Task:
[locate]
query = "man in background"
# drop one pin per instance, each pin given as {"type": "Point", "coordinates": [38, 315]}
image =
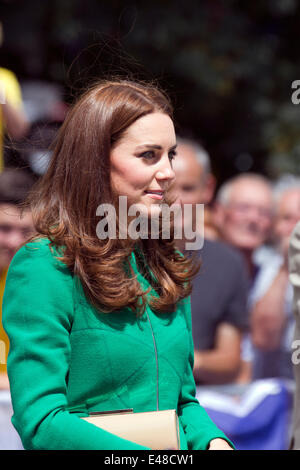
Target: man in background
{"type": "Point", "coordinates": [272, 317]}
{"type": "Point", "coordinates": [243, 214]}
{"type": "Point", "coordinates": [15, 228]}
{"type": "Point", "coordinates": [218, 300]}
{"type": "Point", "coordinates": [294, 277]}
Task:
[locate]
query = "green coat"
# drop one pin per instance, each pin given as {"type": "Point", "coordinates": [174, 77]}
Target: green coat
{"type": "Point", "coordinates": [66, 359]}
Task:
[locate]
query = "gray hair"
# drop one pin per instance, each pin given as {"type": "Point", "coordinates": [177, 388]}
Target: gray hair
{"type": "Point", "coordinates": [201, 154]}
{"type": "Point", "coordinates": [223, 194]}
{"type": "Point", "coordinates": [285, 183]}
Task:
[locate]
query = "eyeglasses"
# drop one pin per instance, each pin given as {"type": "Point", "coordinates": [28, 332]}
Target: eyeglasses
{"type": "Point", "coordinates": [244, 208]}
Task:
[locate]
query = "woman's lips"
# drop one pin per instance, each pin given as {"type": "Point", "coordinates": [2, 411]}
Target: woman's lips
{"type": "Point", "coordinates": [155, 194]}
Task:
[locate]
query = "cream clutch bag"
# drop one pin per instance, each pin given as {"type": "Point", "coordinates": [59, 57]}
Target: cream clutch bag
{"type": "Point", "coordinates": [154, 429]}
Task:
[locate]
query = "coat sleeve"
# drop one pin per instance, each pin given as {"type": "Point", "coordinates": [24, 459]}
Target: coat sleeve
{"type": "Point", "coordinates": [198, 427]}
{"type": "Point", "coordinates": [37, 316]}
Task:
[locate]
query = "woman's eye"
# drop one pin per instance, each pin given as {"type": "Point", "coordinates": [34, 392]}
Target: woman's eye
{"type": "Point", "coordinates": [148, 155]}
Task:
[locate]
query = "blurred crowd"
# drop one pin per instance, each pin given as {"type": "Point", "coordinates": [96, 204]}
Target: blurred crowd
{"type": "Point", "coordinates": [30, 115]}
{"type": "Point", "coordinates": [242, 299]}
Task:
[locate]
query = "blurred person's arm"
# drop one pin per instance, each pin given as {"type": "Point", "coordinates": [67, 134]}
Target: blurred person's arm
{"type": "Point", "coordinates": [4, 383]}
{"type": "Point", "coordinates": [221, 364]}
{"type": "Point", "coordinates": [16, 124]}
{"type": "Point", "coordinates": [245, 374]}
{"type": "Point", "coordinates": [268, 316]}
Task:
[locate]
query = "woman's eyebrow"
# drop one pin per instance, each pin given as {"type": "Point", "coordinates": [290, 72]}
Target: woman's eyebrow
{"type": "Point", "coordinates": [150, 146]}
{"type": "Point", "coordinates": [154, 146]}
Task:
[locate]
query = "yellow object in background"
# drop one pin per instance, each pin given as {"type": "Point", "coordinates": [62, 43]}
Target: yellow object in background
{"type": "Point", "coordinates": [4, 341]}
{"type": "Point", "coordinates": [10, 92]}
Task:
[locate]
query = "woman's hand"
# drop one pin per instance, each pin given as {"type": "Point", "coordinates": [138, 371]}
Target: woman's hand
{"type": "Point", "coordinates": [219, 444]}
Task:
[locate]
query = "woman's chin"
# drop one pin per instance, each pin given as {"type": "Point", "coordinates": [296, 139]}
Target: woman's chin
{"type": "Point", "coordinates": [145, 209]}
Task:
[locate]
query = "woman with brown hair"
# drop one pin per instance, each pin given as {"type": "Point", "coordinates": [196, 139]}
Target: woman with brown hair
{"type": "Point", "coordinates": [102, 323]}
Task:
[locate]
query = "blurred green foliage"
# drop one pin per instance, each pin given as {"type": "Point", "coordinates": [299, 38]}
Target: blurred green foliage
{"type": "Point", "coordinates": [227, 65]}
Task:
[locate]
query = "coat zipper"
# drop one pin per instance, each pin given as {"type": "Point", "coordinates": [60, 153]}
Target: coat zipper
{"type": "Point", "coordinates": [156, 358]}
{"type": "Point", "coordinates": [154, 342]}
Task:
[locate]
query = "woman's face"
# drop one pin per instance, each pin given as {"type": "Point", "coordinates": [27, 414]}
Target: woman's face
{"type": "Point", "coordinates": [141, 161]}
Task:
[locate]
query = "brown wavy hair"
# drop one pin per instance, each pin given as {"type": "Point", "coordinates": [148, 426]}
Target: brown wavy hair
{"type": "Point", "coordinates": [65, 200]}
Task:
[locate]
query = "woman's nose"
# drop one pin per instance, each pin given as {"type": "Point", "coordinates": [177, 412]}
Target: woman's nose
{"type": "Point", "coordinates": [165, 172]}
